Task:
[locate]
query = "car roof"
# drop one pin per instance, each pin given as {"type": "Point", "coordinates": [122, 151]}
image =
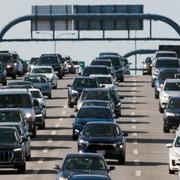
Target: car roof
{"type": "Point", "coordinates": [34, 89]}
{"type": "Point", "coordinates": [100, 75]}
{"type": "Point", "coordinates": [96, 66]}
{"type": "Point", "coordinates": [37, 67]}
{"type": "Point", "coordinates": [19, 81]}
{"type": "Point", "coordinates": [13, 91]}
{"type": "Point", "coordinates": [172, 80]}
{"type": "Point", "coordinates": [89, 176]}
{"type": "Point", "coordinates": [10, 110]}
{"type": "Point", "coordinates": [10, 124]}
{"type": "Point", "coordinates": [164, 52]}
{"type": "Point", "coordinates": [102, 122]}
{"type": "Point", "coordinates": [84, 77]}
{"type": "Point", "coordinates": [84, 155]}
{"type": "Point", "coordinates": [96, 89]}
{"type": "Point", "coordinates": [5, 127]}
{"type": "Point", "coordinates": [166, 58]}
{"type": "Point", "coordinates": [171, 70]}
{"type": "Point", "coordinates": [95, 107]}
{"type": "Point", "coordinates": [174, 97]}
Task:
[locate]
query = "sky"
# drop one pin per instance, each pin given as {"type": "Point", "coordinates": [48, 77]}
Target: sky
{"type": "Point", "coordinates": [85, 51]}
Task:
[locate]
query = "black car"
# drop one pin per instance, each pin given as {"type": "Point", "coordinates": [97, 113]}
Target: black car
{"type": "Point", "coordinates": [117, 64]}
{"type": "Point", "coordinates": [7, 60]}
{"type": "Point", "coordinates": [95, 69]}
{"type": "Point", "coordinates": [77, 87]}
{"type": "Point", "coordinates": [88, 163]}
{"type": "Point", "coordinates": [172, 114]}
{"type": "Point", "coordinates": [12, 151]}
{"type": "Point", "coordinates": [105, 138]}
{"type": "Point", "coordinates": [52, 60]}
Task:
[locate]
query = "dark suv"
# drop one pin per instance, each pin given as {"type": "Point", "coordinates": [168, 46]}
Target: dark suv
{"type": "Point", "coordinates": [7, 60]}
{"type": "Point", "coordinates": [52, 60]}
{"type": "Point", "coordinates": [12, 151]}
{"type": "Point", "coordinates": [105, 138]}
{"type": "Point", "coordinates": [77, 87]}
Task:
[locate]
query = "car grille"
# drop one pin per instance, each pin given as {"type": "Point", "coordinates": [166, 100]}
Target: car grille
{"type": "Point", "coordinates": [101, 147]}
{"type": "Point", "coordinates": [6, 156]}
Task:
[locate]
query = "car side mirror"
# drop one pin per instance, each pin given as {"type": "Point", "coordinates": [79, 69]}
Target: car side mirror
{"type": "Point", "coordinates": [125, 134]}
{"type": "Point", "coordinates": [169, 145]}
{"type": "Point", "coordinates": [69, 85]}
{"type": "Point", "coordinates": [111, 168]}
{"type": "Point", "coordinates": [79, 73]}
{"type": "Point", "coordinates": [121, 97]}
{"type": "Point", "coordinates": [73, 116]}
{"type": "Point", "coordinates": [24, 139]}
{"type": "Point", "coordinates": [57, 167]}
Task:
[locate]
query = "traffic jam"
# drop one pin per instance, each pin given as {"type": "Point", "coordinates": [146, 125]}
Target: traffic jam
{"type": "Point", "coordinates": [93, 95]}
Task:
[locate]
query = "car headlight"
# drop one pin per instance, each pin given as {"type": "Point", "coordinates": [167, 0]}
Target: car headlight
{"type": "Point", "coordinates": [39, 115]}
{"type": "Point", "coordinates": [17, 150]}
{"type": "Point", "coordinates": [8, 66]}
{"type": "Point", "coordinates": [83, 142]}
{"type": "Point", "coordinates": [62, 178]}
{"type": "Point", "coordinates": [28, 117]}
{"type": "Point", "coordinates": [145, 65]}
{"type": "Point", "coordinates": [74, 92]}
{"type": "Point", "coordinates": [170, 114]}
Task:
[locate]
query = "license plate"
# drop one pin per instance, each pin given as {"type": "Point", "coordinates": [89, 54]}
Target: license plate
{"type": "Point", "coordinates": [101, 152]}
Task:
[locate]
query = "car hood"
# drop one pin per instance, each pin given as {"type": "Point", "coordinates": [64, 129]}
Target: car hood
{"type": "Point", "coordinates": [67, 173]}
{"type": "Point", "coordinates": [8, 146]}
{"type": "Point", "coordinates": [48, 75]}
{"type": "Point", "coordinates": [177, 150]}
{"type": "Point", "coordinates": [174, 110]}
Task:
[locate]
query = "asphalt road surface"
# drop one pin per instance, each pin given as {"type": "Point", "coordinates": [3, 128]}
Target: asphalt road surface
{"type": "Point", "coordinates": [146, 154]}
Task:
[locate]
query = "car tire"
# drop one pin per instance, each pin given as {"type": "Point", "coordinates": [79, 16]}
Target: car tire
{"type": "Point", "coordinates": [21, 169]}
{"type": "Point", "coordinates": [70, 105]}
{"type": "Point", "coordinates": [121, 160]}
{"type": "Point", "coordinates": [74, 137]}
{"type": "Point", "coordinates": [14, 76]}
{"type": "Point", "coordinates": [4, 83]}
{"type": "Point", "coordinates": [171, 171]}
{"type": "Point", "coordinates": [165, 129]}
{"type": "Point", "coordinates": [152, 84]}
{"type": "Point", "coordinates": [49, 96]}
{"type": "Point", "coordinates": [28, 157]}
{"type": "Point", "coordinates": [42, 126]}
{"type": "Point", "coordinates": [156, 95]}
{"type": "Point", "coordinates": [160, 109]}
{"type": "Point", "coordinates": [34, 132]}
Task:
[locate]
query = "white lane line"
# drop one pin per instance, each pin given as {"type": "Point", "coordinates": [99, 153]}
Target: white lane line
{"type": "Point", "coordinates": [40, 161]}
{"type": "Point", "coordinates": [35, 171]}
{"type": "Point", "coordinates": [136, 162]}
{"type": "Point", "coordinates": [45, 150]}
{"type": "Point", "coordinates": [138, 173]}
{"type": "Point", "coordinates": [135, 142]}
{"type": "Point", "coordinates": [134, 80]}
{"type": "Point", "coordinates": [53, 133]}
{"type": "Point", "coordinates": [132, 113]}
{"type": "Point", "coordinates": [135, 151]}
{"type": "Point", "coordinates": [49, 141]}
{"type": "Point", "coordinates": [132, 107]}
{"type": "Point", "coordinates": [63, 112]}
{"type": "Point", "coordinates": [133, 120]}
{"type": "Point", "coordinates": [60, 119]}
{"type": "Point", "coordinates": [133, 127]}
{"type": "Point", "coordinates": [132, 92]}
{"type": "Point", "coordinates": [134, 88]}
{"type": "Point", "coordinates": [65, 106]}
{"type": "Point", "coordinates": [134, 134]}
{"type": "Point", "coordinates": [57, 125]}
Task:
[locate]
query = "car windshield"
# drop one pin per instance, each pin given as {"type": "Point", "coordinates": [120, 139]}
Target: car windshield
{"type": "Point", "coordinates": [85, 83]}
{"type": "Point", "coordinates": [7, 136]}
{"type": "Point", "coordinates": [42, 70]}
{"type": "Point", "coordinates": [148, 61]}
{"type": "Point", "coordinates": [15, 101]}
{"type": "Point", "coordinates": [10, 116]}
{"type": "Point", "coordinates": [167, 63]}
{"type": "Point", "coordinates": [168, 75]}
{"type": "Point", "coordinates": [95, 70]}
{"type": "Point", "coordinates": [100, 130]}
{"type": "Point", "coordinates": [94, 113]}
{"type": "Point", "coordinates": [33, 61]}
{"type": "Point", "coordinates": [95, 103]}
{"type": "Point", "coordinates": [36, 94]}
{"type": "Point", "coordinates": [173, 86]}
{"type": "Point", "coordinates": [103, 63]}
{"type": "Point", "coordinates": [84, 163]}
{"type": "Point", "coordinates": [174, 103]}
{"type": "Point", "coordinates": [5, 59]}
{"type": "Point", "coordinates": [104, 80]}
{"type": "Point", "coordinates": [166, 55]}
{"type": "Point", "coordinates": [95, 95]}
{"type": "Point", "coordinates": [35, 79]}
{"type": "Point", "coordinates": [51, 60]}
{"type": "Point", "coordinates": [177, 142]}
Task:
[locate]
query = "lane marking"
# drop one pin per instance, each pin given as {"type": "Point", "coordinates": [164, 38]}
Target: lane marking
{"type": "Point", "coordinates": [134, 134]}
{"type": "Point", "coordinates": [133, 127]}
{"type": "Point", "coordinates": [65, 106]}
{"type": "Point", "coordinates": [57, 125]}
{"type": "Point", "coordinates": [60, 119]}
{"type": "Point", "coordinates": [35, 171]}
{"type": "Point", "coordinates": [133, 120]}
{"type": "Point", "coordinates": [135, 151]}
{"type": "Point", "coordinates": [63, 112]}
{"type": "Point", "coordinates": [138, 173]}
{"type": "Point", "coordinates": [133, 107]}
{"type": "Point", "coordinates": [133, 92]}
{"type": "Point", "coordinates": [136, 162]}
{"type": "Point", "coordinates": [132, 113]}
{"type": "Point", "coordinates": [134, 88]}
{"type": "Point", "coordinates": [135, 142]}
{"type": "Point", "coordinates": [45, 150]}
{"type": "Point", "coordinates": [53, 133]}
{"type": "Point", "coordinates": [40, 161]}
{"type": "Point", "coordinates": [49, 141]}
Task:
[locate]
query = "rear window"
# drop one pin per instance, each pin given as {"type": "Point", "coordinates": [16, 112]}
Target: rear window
{"type": "Point", "coordinates": [167, 63]}
{"type": "Point", "coordinates": [172, 86]}
{"type": "Point", "coordinates": [35, 94]}
{"type": "Point", "coordinates": [48, 60]}
{"type": "Point", "coordinates": [10, 116]}
{"type": "Point", "coordinates": [103, 63]}
{"type": "Point", "coordinates": [5, 59]}
{"type": "Point", "coordinates": [85, 83]}
{"type": "Point", "coordinates": [95, 95]}
{"type": "Point", "coordinates": [95, 70]}
{"type": "Point", "coordinates": [168, 75]}
{"type": "Point", "coordinates": [174, 103]}
{"type": "Point", "coordinates": [7, 136]}
{"type": "Point", "coordinates": [15, 101]}
{"type": "Point", "coordinates": [104, 80]}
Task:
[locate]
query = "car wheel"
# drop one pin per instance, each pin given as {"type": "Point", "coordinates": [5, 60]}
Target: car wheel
{"type": "Point", "coordinates": [171, 171]}
{"type": "Point", "coordinates": [42, 126]}
{"type": "Point", "coordinates": [34, 132]}
{"type": "Point", "coordinates": [160, 109]}
{"type": "Point", "coordinates": [49, 96]}
{"type": "Point", "coordinates": [28, 157]}
{"type": "Point", "coordinates": [70, 105]}
{"type": "Point", "coordinates": [74, 137]}
{"type": "Point", "coordinates": [152, 84]}
{"type": "Point", "coordinates": [156, 95]}
{"type": "Point", "coordinates": [21, 168]}
{"type": "Point", "coordinates": [14, 76]}
{"type": "Point", "coordinates": [121, 160]}
{"type": "Point", "coordinates": [4, 83]}
{"type": "Point", "coordinates": [165, 129]}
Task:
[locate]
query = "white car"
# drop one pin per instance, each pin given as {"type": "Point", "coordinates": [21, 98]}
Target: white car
{"type": "Point", "coordinates": [105, 81]}
{"type": "Point", "coordinates": [171, 88]}
{"type": "Point", "coordinates": [174, 154]}
{"type": "Point", "coordinates": [48, 72]}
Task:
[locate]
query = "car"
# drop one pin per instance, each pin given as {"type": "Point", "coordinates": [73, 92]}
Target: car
{"type": "Point", "coordinates": [37, 94]}
{"type": "Point", "coordinates": [87, 163]}
{"type": "Point", "coordinates": [24, 135]}
{"type": "Point", "coordinates": [126, 66]}
{"type": "Point", "coordinates": [75, 67]}
{"type": "Point", "coordinates": [7, 60]}
{"type": "Point", "coordinates": [162, 63]}
{"type": "Point", "coordinates": [171, 88]}
{"type": "Point", "coordinates": [20, 84]}
{"type": "Point", "coordinates": [147, 66]}
{"type": "Point", "coordinates": [117, 64]}
{"type": "Point", "coordinates": [3, 77]}
{"type": "Point", "coordinates": [48, 72]}
{"type": "Point", "coordinates": [159, 54]}
{"type": "Point", "coordinates": [105, 138]}
{"type": "Point", "coordinates": [40, 113]}
{"type": "Point", "coordinates": [174, 154]}
{"type": "Point", "coordinates": [90, 114]}
{"type": "Point", "coordinates": [79, 83]}
{"type": "Point", "coordinates": [109, 54]}
{"type": "Point", "coordinates": [105, 81]}
{"type": "Point", "coordinates": [33, 61]}
{"type": "Point", "coordinates": [89, 177]}
{"type": "Point", "coordinates": [52, 60]}
{"type": "Point", "coordinates": [22, 99]}
{"type": "Point", "coordinates": [41, 82]}
{"type": "Point", "coordinates": [163, 75]}
{"type": "Point", "coordinates": [95, 94]}
{"type": "Point", "coordinates": [96, 69]}
{"type": "Point", "coordinates": [171, 116]}
{"type": "Point", "coordinates": [12, 150]}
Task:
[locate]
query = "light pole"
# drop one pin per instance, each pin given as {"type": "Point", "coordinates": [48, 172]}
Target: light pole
{"type": "Point", "coordinates": [135, 44]}
{"type": "Point", "coordinates": [61, 34]}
